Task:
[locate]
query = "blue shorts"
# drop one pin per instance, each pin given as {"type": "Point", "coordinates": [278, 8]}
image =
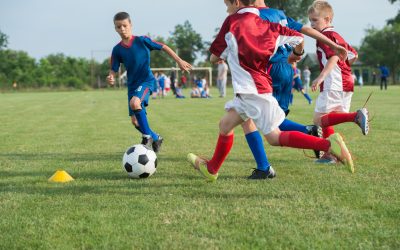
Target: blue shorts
{"type": "Point", "coordinates": [282, 78]}
{"type": "Point", "coordinates": [143, 92]}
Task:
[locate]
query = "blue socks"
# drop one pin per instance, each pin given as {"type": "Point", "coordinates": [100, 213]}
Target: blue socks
{"type": "Point", "coordinates": [256, 145]}
{"type": "Point", "coordinates": [288, 125]}
{"type": "Point", "coordinates": [144, 128]}
{"type": "Point", "coordinates": [308, 98]}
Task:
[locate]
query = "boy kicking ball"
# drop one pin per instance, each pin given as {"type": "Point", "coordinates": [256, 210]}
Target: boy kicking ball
{"type": "Point", "coordinates": [134, 53]}
{"type": "Point", "coordinates": [247, 42]}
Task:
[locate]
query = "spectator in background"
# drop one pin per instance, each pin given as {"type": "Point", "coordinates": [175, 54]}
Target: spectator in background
{"type": "Point", "coordinates": [172, 77]}
{"type": "Point", "coordinates": [373, 77]}
{"type": "Point", "coordinates": [384, 75]}
{"type": "Point", "coordinates": [360, 81]}
{"type": "Point", "coordinates": [222, 78]}
{"type": "Point", "coordinates": [306, 78]}
{"type": "Point", "coordinates": [183, 81]}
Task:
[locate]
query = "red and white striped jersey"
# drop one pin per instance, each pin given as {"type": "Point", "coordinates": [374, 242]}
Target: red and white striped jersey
{"type": "Point", "coordinates": [339, 78]}
{"type": "Point", "coordinates": [247, 42]}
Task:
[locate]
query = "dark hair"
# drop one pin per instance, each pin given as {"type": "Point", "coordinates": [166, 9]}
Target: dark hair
{"type": "Point", "coordinates": [245, 2]}
{"type": "Point", "coordinates": [121, 16]}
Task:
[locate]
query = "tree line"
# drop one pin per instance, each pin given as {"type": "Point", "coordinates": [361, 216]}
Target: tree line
{"type": "Point", "coordinates": [58, 70]}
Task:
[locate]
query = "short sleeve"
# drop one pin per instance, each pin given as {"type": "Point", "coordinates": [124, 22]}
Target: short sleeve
{"type": "Point", "coordinates": [152, 45]}
{"type": "Point", "coordinates": [286, 35]}
{"type": "Point", "coordinates": [115, 59]}
{"type": "Point", "coordinates": [219, 45]}
{"type": "Point", "coordinates": [292, 24]}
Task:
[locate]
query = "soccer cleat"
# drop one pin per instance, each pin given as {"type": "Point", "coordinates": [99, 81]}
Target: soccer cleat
{"type": "Point", "coordinates": [157, 144]}
{"type": "Point", "coordinates": [147, 141]}
{"type": "Point", "coordinates": [339, 150]}
{"type": "Point", "coordinates": [362, 120]}
{"type": "Point", "coordinates": [326, 158]}
{"type": "Point", "coordinates": [316, 131]}
{"type": "Point", "coordinates": [260, 174]}
{"type": "Point", "coordinates": [200, 165]}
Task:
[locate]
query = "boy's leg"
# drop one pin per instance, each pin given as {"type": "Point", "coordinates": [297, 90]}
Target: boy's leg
{"type": "Point", "coordinates": [254, 140]}
{"type": "Point", "coordinates": [224, 144]}
{"type": "Point", "coordinates": [137, 103]}
{"type": "Point", "coordinates": [360, 117]}
{"type": "Point", "coordinates": [334, 144]}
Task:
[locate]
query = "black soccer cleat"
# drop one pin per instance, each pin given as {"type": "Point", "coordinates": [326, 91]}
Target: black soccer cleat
{"type": "Point", "coordinates": [157, 144]}
{"type": "Point", "coordinates": [147, 141]}
{"type": "Point", "coordinates": [260, 174]}
{"type": "Point", "coordinates": [316, 131]}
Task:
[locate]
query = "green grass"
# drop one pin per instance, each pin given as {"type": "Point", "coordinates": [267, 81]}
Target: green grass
{"type": "Point", "coordinates": [86, 133]}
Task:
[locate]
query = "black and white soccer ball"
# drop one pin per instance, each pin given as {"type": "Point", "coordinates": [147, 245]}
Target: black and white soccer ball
{"type": "Point", "coordinates": [139, 161]}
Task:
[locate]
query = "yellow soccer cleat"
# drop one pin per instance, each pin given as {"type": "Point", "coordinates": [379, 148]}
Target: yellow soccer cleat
{"type": "Point", "coordinates": [338, 148]}
{"type": "Point", "coordinates": [200, 165]}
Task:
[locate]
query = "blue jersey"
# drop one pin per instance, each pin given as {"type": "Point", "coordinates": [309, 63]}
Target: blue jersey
{"type": "Point", "coordinates": [136, 59]}
{"type": "Point", "coordinates": [278, 16]}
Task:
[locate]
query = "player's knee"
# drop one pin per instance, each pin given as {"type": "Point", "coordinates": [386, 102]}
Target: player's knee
{"type": "Point", "coordinates": [224, 128]}
{"type": "Point", "coordinates": [135, 103]}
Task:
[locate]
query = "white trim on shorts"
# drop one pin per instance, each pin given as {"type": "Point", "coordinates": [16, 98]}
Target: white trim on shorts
{"type": "Point", "coordinates": [263, 109]}
{"type": "Point", "coordinates": [333, 101]}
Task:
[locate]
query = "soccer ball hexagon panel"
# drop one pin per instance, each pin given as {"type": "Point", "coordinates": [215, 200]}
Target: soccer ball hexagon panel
{"type": "Point", "coordinates": [139, 161]}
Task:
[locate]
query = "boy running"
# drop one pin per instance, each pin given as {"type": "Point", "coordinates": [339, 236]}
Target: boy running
{"type": "Point", "coordinates": [335, 81]}
{"type": "Point", "coordinates": [247, 43]}
{"type": "Point", "coordinates": [134, 53]}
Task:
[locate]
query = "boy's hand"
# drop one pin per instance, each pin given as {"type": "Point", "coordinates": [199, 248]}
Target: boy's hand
{"type": "Point", "coordinates": [341, 52]}
{"type": "Point", "coordinates": [316, 83]}
{"type": "Point", "coordinates": [185, 66]}
{"type": "Point", "coordinates": [110, 79]}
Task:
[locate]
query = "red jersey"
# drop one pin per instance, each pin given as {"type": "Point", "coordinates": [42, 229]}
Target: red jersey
{"type": "Point", "coordinates": [247, 42]}
{"type": "Point", "coordinates": [339, 78]}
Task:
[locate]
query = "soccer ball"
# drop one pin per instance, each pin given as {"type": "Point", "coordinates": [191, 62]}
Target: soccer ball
{"type": "Point", "coordinates": [139, 161]}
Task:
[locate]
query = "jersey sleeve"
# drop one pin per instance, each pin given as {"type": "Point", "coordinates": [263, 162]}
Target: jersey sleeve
{"type": "Point", "coordinates": [286, 35]}
{"type": "Point", "coordinates": [351, 53]}
{"type": "Point", "coordinates": [152, 45]}
{"type": "Point", "coordinates": [219, 46]}
{"type": "Point", "coordinates": [336, 38]}
{"type": "Point", "coordinates": [292, 24]}
{"type": "Point", "coordinates": [115, 60]}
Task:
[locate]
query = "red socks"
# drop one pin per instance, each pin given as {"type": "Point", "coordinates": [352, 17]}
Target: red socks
{"type": "Point", "coordinates": [222, 150]}
{"type": "Point", "coordinates": [327, 131]}
{"type": "Point", "coordinates": [332, 119]}
{"type": "Point", "coordinates": [295, 139]}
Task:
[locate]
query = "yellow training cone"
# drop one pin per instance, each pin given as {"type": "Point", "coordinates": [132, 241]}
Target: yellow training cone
{"type": "Point", "coordinates": [61, 176]}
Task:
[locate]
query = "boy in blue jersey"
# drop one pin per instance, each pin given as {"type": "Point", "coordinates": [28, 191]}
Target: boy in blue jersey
{"type": "Point", "coordinates": [281, 73]}
{"type": "Point", "coordinates": [134, 53]}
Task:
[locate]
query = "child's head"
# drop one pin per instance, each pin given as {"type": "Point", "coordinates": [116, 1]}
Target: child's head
{"type": "Point", "coordinates": [233, 5]}
{"type": "Point", "coordinates": [320, 14]}
{"type": "Point", "coordinates": [123, 25]}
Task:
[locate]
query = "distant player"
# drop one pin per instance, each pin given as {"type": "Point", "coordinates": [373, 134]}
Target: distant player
{"type": "Point", "coordinates": [335, 80]}
{"type": "Point", "coordinates": [298, 84]}
{"type": "Point", "coordinates": [238, 42]}
{"type": "Point", "coordinates": [134, 53]}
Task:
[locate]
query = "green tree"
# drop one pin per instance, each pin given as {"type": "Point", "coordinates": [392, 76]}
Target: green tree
{"type": "Point", "coordinates": [396, 19]}
{"type": "Point", "coordinates": [188, 41]}
{"type": "Point", "coordinates": [296, 9]}
{"type": "Point", "coordinates": [3, 40]}
{"type": "Point", "coordinates": [159, 59]}
{"type": "Point", "coordinates": [382, 47]}
{"type": "Point", "coordinates": [17, 66]}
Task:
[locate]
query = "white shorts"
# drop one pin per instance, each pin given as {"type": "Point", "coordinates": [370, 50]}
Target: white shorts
{"type": "Point", "coordinates": [333, 101]}
{"type": "Point", "coordinates": [263, 109]}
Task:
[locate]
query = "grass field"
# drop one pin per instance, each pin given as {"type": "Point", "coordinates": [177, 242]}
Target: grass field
{"type": "Point", "coordinates": [307, 206]}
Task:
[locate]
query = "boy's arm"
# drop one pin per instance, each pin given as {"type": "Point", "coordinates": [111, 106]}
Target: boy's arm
{"type": "Point", "coordinates": [332, 62]}
{"type": "Point", "coordinates": [339, 50]}
{"type": "Point", "coordinates": [183, 65]}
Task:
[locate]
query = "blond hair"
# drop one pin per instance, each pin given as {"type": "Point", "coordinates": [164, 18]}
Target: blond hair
{"type": "Point", "coordinates": [321, 7]}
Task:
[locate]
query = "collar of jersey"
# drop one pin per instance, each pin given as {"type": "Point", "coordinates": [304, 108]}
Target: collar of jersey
{"type": "Point", "coordinates": [329, 28]}
{"type": "Point", "coordinates": [251, 9]}
{"type": "Point", "coordinates": [130, 42]}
